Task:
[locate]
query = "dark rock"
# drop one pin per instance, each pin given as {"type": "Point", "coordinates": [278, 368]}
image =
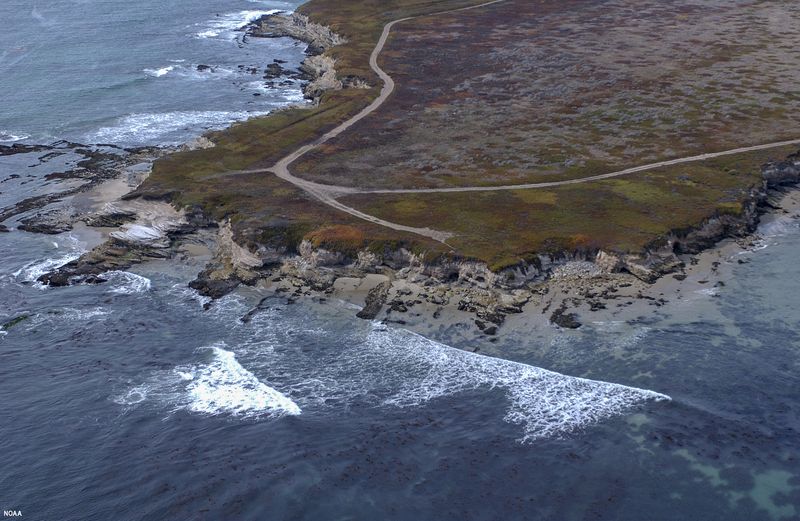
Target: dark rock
{"type": "Point", "coordinates": [375, 300]}
{"type": "Point", "coordinates": [205, 68]}
{"type": "Point", "coordinates": [214, 288]}
{"type": "Point", "coordinates": [51, 223]}
{"type": "Point", "coordinates": [273, 71]}
{"type": "Point", "coordinates": [4, 228]}
{"type": "Point", "coordinates": [399, 306]}
{"type": "Point", "coordinates": [109, 256]}
{"type": "Point", "coordinates": [261, 306]}
{"type": "Point", "coordinates": [491, 330]}
{"type": "Point", "coordinates": [110, 220]}
{"type": "Point", "coordinates": [565, 320]}
{"type": "Point", "coordinates": [778, 173]}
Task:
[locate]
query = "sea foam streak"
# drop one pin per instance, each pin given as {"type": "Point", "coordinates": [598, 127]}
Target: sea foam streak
{"type": "Point", "coordinates": [145, 128]}
{"type": "Point", "coordinates": [545, 403]}
{"type": "Point", "coordinates": [398, 368]}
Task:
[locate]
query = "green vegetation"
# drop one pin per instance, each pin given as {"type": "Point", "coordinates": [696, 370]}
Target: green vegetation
{"type": "Point", "coordinates": [488, 100]}
{"type": "Point", "coordinates": [624, 214]}
{"type": "Point", "coordinates": [266, 210]}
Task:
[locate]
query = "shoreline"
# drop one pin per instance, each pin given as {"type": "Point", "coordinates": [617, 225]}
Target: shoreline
{"type": "Point", "coordinates": [395, 285]}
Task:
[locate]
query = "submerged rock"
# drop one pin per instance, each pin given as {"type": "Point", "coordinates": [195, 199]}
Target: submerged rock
{"type": "Point", "coordinates": [13, 322]}
{"type": "Point", "coordinates": [565, 320]}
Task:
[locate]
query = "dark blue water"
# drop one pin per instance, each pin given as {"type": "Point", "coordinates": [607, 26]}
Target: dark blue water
{"type": "Point", "coordinates": [127, 401]}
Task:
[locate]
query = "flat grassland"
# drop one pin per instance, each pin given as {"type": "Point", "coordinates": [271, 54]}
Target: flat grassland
{"type": "Point", "coordinates": [519, 91]}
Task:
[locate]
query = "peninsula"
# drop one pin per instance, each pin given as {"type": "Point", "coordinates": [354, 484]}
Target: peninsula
{"type": "Point", "coordinates": [487, 143]}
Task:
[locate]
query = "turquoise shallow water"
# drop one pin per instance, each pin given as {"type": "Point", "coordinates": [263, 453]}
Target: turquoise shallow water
{"type": "Point", "coordinates": [128, 401]}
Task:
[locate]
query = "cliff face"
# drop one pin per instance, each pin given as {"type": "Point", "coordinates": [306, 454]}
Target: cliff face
{"type": "Point", "coordinates": [320, 267]}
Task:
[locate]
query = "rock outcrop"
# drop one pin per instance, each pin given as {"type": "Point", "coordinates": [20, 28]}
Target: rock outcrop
{"type": "Point", "coordinates": [375, 300]}
{"type": "Point", "coordinates": [294, 25]}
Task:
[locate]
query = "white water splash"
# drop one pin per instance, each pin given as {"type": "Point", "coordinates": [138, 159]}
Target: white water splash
{"type": "Point", "coordinates": [157, 73]}
{"type": "Point", "coordinates": [10, 137]}
{"type": "Point", "coordinates": [35, 269]}
{"type": "Point", "coordinates": [227, 26]}
{"type": "Point", "coordinates": [544, 403]}
{"type": "Point", "coordinates": [127, 283]}
{"type": "Point", "coordinates": [146, 127]}
{"type": "Point", "coordinates": [224, 386]}
{"type": "Point", "coordinates": [220, 386]}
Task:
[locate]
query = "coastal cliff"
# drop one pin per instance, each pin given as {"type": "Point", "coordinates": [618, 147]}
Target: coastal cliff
{"type": "Point", "coordinates": [270, 233]}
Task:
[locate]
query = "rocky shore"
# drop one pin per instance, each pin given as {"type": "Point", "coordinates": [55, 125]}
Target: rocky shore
{"type": "Point", "coordinates": [319, 70]}
{"type": "Point", "coordinates": [401, 287]}
{"type": "Point", "coordinates": [396, 286]}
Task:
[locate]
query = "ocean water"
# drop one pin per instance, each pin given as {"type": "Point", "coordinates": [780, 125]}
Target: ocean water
{"type": "Point", "coordinates": [128, 401]}
{"type": "Point", "coordinates": [112, 71]}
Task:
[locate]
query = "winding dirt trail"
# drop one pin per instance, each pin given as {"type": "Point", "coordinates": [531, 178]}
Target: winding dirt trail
{"type": "Point", "coordinates": [328, 194]}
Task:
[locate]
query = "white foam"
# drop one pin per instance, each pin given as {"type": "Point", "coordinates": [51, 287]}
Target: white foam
{"type": "Point", "coordinates": [397, 368]}
{"type": "Point", "coordinates": [9, 137]}
{"type": "Point", "coordinates": [709, 292]}
{"type": "Point", "coordinates": [190, 71]}
{"type": "Point", "coordinates": [224, 386]}
{"type": "Point", "coordinates": [127, 283]}
{"type": "Point", "coordinates": [227, 26]}
{"type": "Point", "coordinates": [545, 403]}
{"type": "Point", "coordinates": [148, 127]}
{"type": "Point", "coordinates": [385, 368]}
{"type": "Point", "coordinates": [157, 73]}
{"type": "Point", "coordinates": [33, 270]}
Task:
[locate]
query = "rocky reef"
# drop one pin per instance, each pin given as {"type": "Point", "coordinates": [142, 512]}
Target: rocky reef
{"type": "Point", "coordinates": [318, 69]}
{"type": "Point", "coordinates": [319, 38]}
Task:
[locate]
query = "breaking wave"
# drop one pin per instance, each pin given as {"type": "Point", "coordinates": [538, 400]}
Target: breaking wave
{"type": "Point", "coordinates": [8, 137]}
{"type": "Point", "coordinates": [198, 71]}
{"type": "Point", "coordinates": [33, 270]}
{"type": "Point", "coordinates": [149, 127]}
{"type": "Point", "coordinates": [220, 386]}
{"type": "Point", "coordinates": [157, 73]}
{"type": "Point", "coordinates": [398, 368]}
{"type": "Point", "coordinates": [227, 26]}
{"type": "Point", "coordinates": [127, 283]}
{"type": "Point", "coordinates": [543, 402]}
{"type": "Point", "coordinates": [224, 386]}
{"type": "Point", "coordinates": [380, 368]}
